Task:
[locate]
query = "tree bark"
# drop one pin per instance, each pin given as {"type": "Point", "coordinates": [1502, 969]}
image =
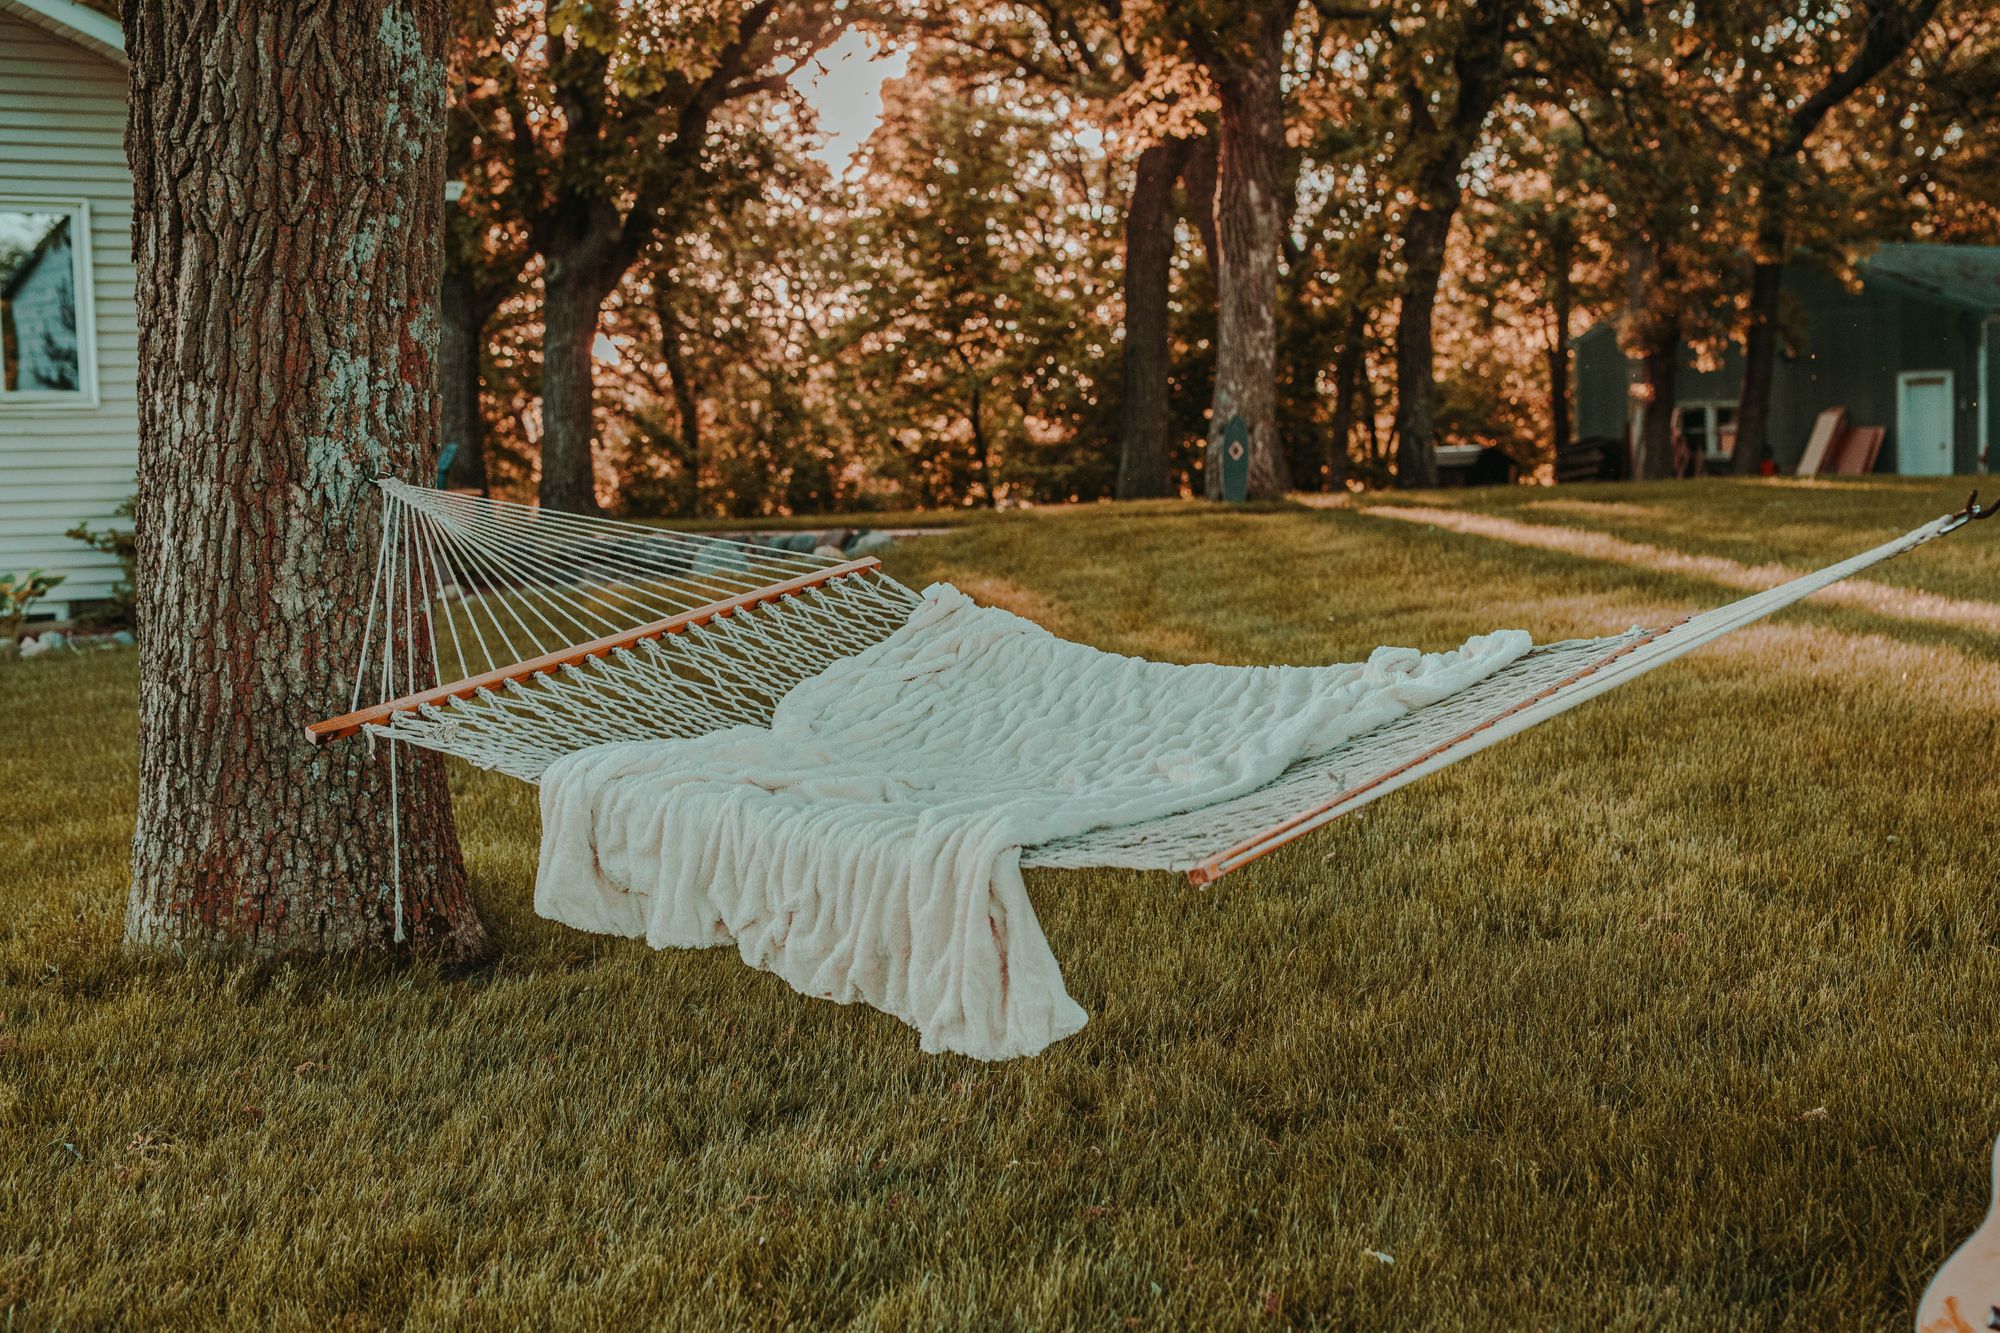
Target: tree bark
{"type": "Point", "coordinates": [1198, 182]}
{"type": "Point", "coordinates": [1250, 217]}
{"type": "Point", "coordinates": [1656, 338]}
{"type": "Point", "coordinates": [1760, 348]}
{"type": "Point", "coordinates": [1562, 304]}
{"type": "Point", "coordinates": [1149, 252]}
{"type": "Point", "coordinates": [461, 340]}
{"type": "Point", "coordinates": [687, 407]}
{"type": "Point", "coordinates": [1478, 70]}
{"type": "Point", "coordinates": [288, 191]}
{"type": "Point", "coordinates": [1424, 238]}
{"type": "Point", "coordinates": [1890, 27]}
{"type": "Point", "coordinates": [572, 294]}
{"type": "Point", "coordinates": [982, 449]}
{"type": "Point", "coordinates": [1659, 366]}
{"type": "Point", "coordinates": [1348, 367]}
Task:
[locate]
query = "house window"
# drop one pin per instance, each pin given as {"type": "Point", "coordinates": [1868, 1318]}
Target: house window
{"type": "Point", "coordinates": [46, 356]}
{"type": "Point", "coordinates": [1708, 427]}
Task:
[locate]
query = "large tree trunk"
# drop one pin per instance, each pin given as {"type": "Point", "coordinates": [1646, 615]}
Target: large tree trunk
{"type": "Point", "coordinates": [1886, 34]}
{"type": "Point", "coordinates": [1654, 337]}
{"type": "Point", "coordinates": [687, 406]}
{"type": "Point", "coordinates": [1562, 304]}
{"type": "Point", "coordinates": [1250, 218]}
{"type": "Point", "coordinates": [1149, 255]}
{"type": "Point", "coordinates": [280, 366]}
{"type": "Point", "coordinates": [1371, 413]}
{"type": "Point", "coordinates": [1349, 364]}
{"type": "Point", "coordinates": [1478, 72]}
{"type": "Point", "coordinates": [982, 449]}
{"type": "Point", "coordinates": [1424, 240]}
{"type": "Point", "coordinates": [572, 294]}
{"type": "Point", "coordinates": [461, 340]}
{"type": "Point", "coordinates": [1760, 345]}
{"type": "Point", "coordinates": [1659, 365]}
{"type": "Point", "coordinates": [1198, 186]}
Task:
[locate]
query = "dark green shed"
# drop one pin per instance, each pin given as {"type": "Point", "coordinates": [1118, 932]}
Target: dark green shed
{"type": "Point", "coordinates": [1914, 350]}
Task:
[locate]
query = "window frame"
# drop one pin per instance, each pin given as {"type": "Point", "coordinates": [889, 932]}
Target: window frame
{"type": "Point", "coordinates": [84, 397]}
{"type": "Point", "coordinates": [1710, 409]}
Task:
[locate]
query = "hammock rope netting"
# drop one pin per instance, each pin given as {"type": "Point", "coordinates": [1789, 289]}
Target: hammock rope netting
{"type": "Point", "coordinates": [554, 632]}
{"type": "Point", "coordinates": [845, 777]}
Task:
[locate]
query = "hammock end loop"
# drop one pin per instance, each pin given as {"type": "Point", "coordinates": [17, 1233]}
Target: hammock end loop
{"type": "Point", "coordinates": [1972, 513]}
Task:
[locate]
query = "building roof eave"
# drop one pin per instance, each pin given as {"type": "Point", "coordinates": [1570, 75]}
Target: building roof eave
{"type": "Point", "coordinates": [1965, 276]}
{"type": "Point", "coordinates": [75, 23]}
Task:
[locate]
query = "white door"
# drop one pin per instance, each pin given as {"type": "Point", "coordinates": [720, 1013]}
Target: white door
{"type": "Point", "coordinates": [1923, 423]}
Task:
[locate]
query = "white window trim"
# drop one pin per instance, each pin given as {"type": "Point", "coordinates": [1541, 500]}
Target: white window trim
{"type": "Point", "coordinates": [1712, 429]}
{"type": "Point", "coordinates": [85, 399]}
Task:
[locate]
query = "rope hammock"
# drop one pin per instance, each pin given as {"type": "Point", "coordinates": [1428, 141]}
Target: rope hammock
{"type": "Point", "coordinates": [570, 648]}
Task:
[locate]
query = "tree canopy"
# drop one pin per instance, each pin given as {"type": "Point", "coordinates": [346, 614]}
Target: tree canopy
{"type": "Point", "coordinates": [1086, 234]}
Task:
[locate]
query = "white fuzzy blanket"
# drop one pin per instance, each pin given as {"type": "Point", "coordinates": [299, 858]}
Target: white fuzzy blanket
{"type": "Point", "coordinates": [867, 845]}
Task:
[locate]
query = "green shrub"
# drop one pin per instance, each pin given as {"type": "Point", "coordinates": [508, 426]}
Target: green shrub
{"type": "Point", "coordinates": [19, 593]}
{"type": "Point", "coordinates": [117, 611]}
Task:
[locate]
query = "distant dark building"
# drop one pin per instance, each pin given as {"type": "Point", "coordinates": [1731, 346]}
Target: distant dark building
{"type": "Point", "coordinates": [1914, 351]}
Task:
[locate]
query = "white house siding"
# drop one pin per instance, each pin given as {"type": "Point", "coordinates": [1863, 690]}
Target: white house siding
{"type": "Point", "coordinates": [62, 126]}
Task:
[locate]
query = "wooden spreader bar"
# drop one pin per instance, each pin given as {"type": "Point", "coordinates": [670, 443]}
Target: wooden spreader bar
{"type": "Point", "coordinates": [349, 723]}
{"type": "Point", "coordinates": [1262, 844]}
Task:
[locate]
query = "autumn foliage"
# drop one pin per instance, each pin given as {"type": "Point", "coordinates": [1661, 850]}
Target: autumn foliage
{"type": "Point", "coordinates": [1080, 225]}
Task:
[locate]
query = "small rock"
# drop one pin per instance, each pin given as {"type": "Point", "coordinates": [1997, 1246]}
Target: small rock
{"type": "Point", "coordinates": [870, 543]}
{"type": "Point", "coordinates": [46, 642]}
{"type": "Point", "coordinates": [124, 638]}
{"type": "Point", "coordinates": [830, 552]}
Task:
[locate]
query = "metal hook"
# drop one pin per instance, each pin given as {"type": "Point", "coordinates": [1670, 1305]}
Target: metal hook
{"type": "Point", "coordinates": [1972, 513]}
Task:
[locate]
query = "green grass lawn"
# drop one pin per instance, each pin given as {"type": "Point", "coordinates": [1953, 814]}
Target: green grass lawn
{"type": "Point", "coordinates": [1680, 1011]}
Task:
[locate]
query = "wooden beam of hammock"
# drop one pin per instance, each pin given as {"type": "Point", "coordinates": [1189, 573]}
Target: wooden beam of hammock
{"type": "Point", "coordinates": [348, 723]}
{"type": "Point", "coordinates": [1263, 843]}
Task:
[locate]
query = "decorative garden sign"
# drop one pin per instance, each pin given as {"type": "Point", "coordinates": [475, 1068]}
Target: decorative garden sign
{"type": "Point", "coordinates": [1236, 461]}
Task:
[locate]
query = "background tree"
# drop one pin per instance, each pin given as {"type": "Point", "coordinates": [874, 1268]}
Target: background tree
{"type": "Point", "coordinates": [1648, 101]}
{"type": "Point", "coordinates": [1114, 66]}
{"type": "Point", "coordinates": [280, 368]}
{"type": "Point", "coordinates": [725, 398]}
{"type": "Point", "coordinates": [1534, 263]}
{"type": "Point", "coordinates": [616, 113]}
{"type": "Point", "coordinates": [1469, 43]}
{"type": "Point", "coordinates": [1800, 67]}
{"type": "Point", "coordinates": [1934, 129]}
{"type": "Point", "coordinates": [1150, 220]}
{"type": "Point", "coordinates": [982, 295]}
{"type": "Point", "coordinates": [485, 243]}
{"type": "Point", "coordinates": [1335, 288]}
{"type": "Point", "coordinates": [750, 358]}
{"type": "Point", "coordinates": [1242, 47]}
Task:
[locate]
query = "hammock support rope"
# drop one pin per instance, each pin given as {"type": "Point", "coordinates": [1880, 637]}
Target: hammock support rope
{"type": "Point", "coordinates": [552, 632]}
